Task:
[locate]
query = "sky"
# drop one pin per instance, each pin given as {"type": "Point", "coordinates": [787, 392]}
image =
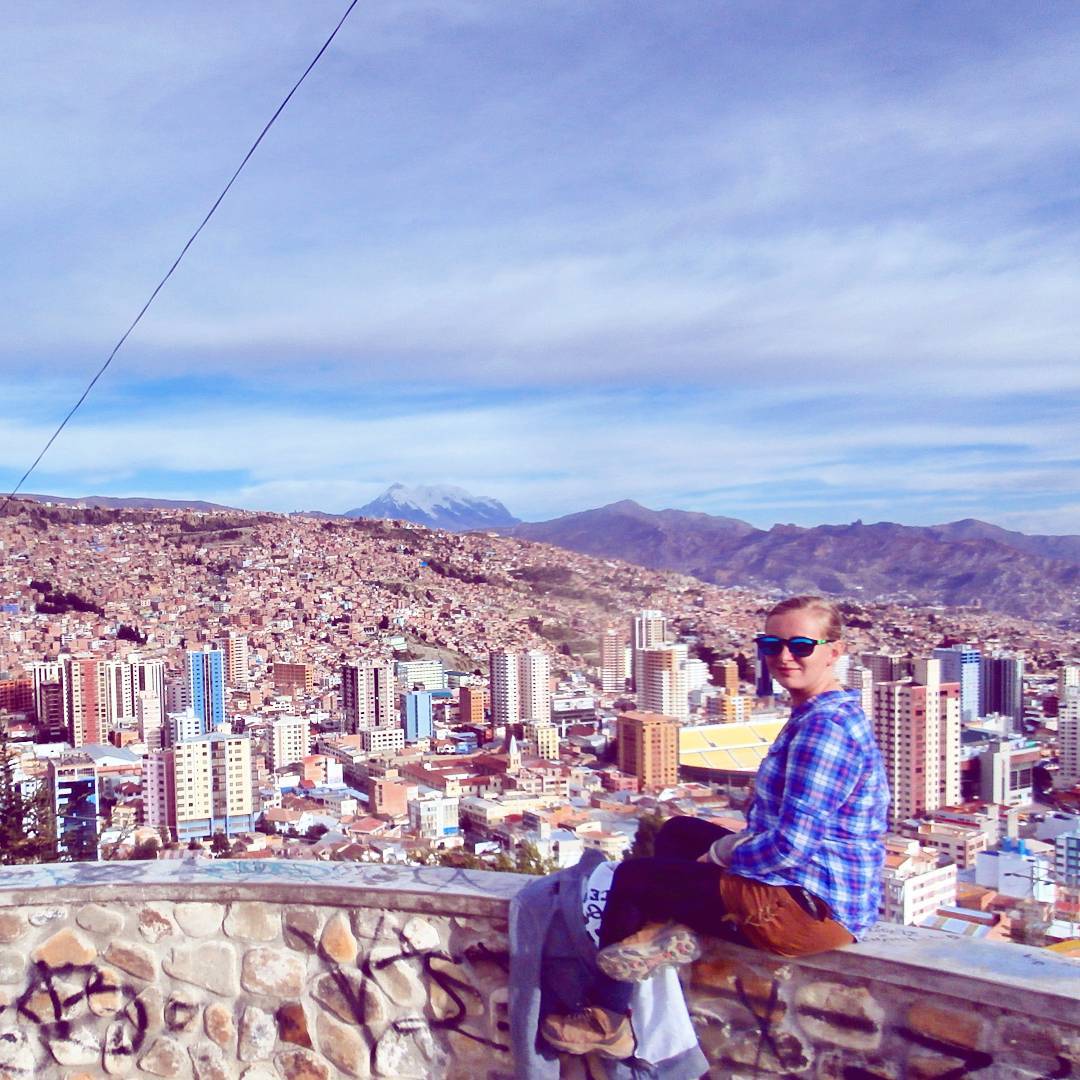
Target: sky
{"type": "Point", "coordinates": [780, 262]}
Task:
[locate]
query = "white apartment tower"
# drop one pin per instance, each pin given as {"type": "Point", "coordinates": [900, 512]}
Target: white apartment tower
{"type": "Point", "coordinates": [662, 685]}
{"type": "Point", "coordinates": [505, 691]}
{"type": "Point", "coordinates": [612, 661]}
{"type": "Point", "coordinates": [289, 741]}
{"type": "Point", "coordinates": [648, 629]}
{"type": "Point", "coordinates": [534, 686]}
{"type": "Point", "coordinates": [201, 786]}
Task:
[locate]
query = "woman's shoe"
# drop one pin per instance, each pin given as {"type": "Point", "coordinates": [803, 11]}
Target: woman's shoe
{"type": "Point", "coordinates": [592, 1030]}
{"type": "Point", "coordinates": [654, 946]}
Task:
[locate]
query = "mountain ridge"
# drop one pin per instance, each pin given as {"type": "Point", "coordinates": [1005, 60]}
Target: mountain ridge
{"type": "Point", "coordinates": [959, 563]}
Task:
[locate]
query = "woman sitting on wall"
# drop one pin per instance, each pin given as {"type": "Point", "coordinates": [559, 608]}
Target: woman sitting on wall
{"type": "Point", "coordinates": [803, 877]}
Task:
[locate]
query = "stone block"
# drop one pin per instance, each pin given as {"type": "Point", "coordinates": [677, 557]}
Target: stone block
{"type": "Point", "coordinates": [13, 926]}
{"type": "Point", "coordinates": [399, 1054]}
{"type": "Point", "coordinates": [199, 920]}
{"type": "Point", "coordinates": [292, 1024]}
{"type": "Point", "coordinates": [119, 1051]}
{"type": "Point", "coordinates": [839, 1065]}
{"type": "Point", "coordinates": [375, 925]}
{"type": "Point", "coordinates": [133, 958]}
{"type": "Point", "coordinates": [147, 1011]}
{"type": "Point", "coordinates": [182, 1011]}
{"type": "Point", "coordinates": [301, 928]}
{"type": "Point", "coordinates": [105, 991]}
{"type": "Point", "coordinates": [274, 972]}
{"type": "Point", "coordinates": [209, 964]}
{"type": "Point", "coordinates": [100, 920]}
{"type": "Point", "coordinates": [301, 1065]}
{"type": "Point", "coordinates": [343, 1046]}
{"type": "Point", "coordinates": [208, 1062]}
{"type": "Point", "coordinates": [12, 966]}
{"type": "Point", "coordinates": [165, 1057]}
{"type": "Point", "coordinates": [343, 992]}
{"type": "Point", "coordinates": [42, 916]}
{"type": "Point", "coordinates": [842, 1015]}
{"type": "Point", "coordinates": [963, 1029]}
{"type": "Point", "coordinates": [219, 1024]}
{"type": "Point", "coordinates": [252, 921]}
{"type": "Point", "coordinates": [155, 922]}
{"type": "Point", "coordinates": [421, 935]}
{"type": "Point", "coordinates": [16, 1054]}
{"type": "Point", "coordinates": [67, 947]}
{"type": "Point", "coordinates": [451, 991]}
{"type": "Point", "coordinates": [258, 1034]}
{"type": "Point", "coordinates": [783, 1053]}
{"type": "Point", "coordinates": [79, 1046]}
{"type": "Point", "coordinates": [338, 942]}
{"type": "Point", "coordinates": [260, 1072]}
{"type": "Point", "coordinates": [397, 975]}
{"type": "Point", "coordinates": [933, 1067]}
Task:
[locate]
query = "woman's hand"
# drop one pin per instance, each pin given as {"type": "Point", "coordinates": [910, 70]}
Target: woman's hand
{"type": "Point", "coordinates": [720, 852]}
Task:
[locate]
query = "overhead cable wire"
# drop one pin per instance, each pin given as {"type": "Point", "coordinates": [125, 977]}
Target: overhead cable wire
{"type": "Point", "coordinates": [176, 262]}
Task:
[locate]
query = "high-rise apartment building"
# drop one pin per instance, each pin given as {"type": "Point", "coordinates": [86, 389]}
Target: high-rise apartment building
{"type": "Point", "coordinates": [917, 727]}
{"type": "Point", "coordinates": [962, 664]}
{"type": "Point", "coordinates": [1069, 675]}
{"type": "Point", "coordinates": [418, 718]}
{"type": "Point", "coordinates": [471, 706]}
{"type": "Point", "coordinates": [234, 650]}
{"type": "Point", "coordinates": [505, 693]}
{"type": "Point", "coordinates": [1069, 734]}
{"type": "Point", "coordinates": [1001, 681]}
{"type": "Point", "coordinates": [861, 679]}
{"type": "Point", "coordinates": [201, 786]}
{"type": "Point", "coordinates": [612, 661]}
{"type": "Point", "coordinates": [368, 699]}
{"type": "Point", "coordinates": [204, 676]}
{"type": "Point", "coordinates": [289, 741]}
{"type": "Point", "coordinates": [520, 686]}
{"type": "Point", "coordinates": [648, 629]}
{"type": "Point", "coordinates": [534, 685]}
{"type": "Point", "coordinates": [726, 676]}
{"type": "Point", "coordinates": [662, 681]}
{"type": "Point", "coordinates": [86, 701]}
{"type": "Point", "coordinates": [648, 748]}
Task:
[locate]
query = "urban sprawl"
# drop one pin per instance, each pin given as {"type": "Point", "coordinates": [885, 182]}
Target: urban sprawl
{"type": "Point", "coordinates": [177, 684]}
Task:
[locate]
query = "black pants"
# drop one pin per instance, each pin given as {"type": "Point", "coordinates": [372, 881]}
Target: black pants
{"type": "Point", "coordinates": [669, 885]}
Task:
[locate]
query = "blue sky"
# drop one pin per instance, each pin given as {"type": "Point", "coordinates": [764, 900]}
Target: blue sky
{"type": "Point", "coordinates": [798, 263]}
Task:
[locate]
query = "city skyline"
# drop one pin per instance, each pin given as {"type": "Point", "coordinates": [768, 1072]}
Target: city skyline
{"type": "Point", "coordinates": [774, 265]}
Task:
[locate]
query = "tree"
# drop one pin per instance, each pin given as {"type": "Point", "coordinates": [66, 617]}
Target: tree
{"type": "Point", "coordinates": [220, 845]}
{"type": "Point", "coordinates": [27, 822]}
{"type": "Point", "coordinates": [644, 844]}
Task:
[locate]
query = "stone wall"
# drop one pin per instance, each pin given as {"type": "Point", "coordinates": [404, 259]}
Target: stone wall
{"type": "Point", "coordinates": [301, 971]}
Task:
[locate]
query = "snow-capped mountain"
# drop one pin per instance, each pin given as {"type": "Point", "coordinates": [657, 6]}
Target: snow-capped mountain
{"type": "Point", "coordinates": [438, 506]}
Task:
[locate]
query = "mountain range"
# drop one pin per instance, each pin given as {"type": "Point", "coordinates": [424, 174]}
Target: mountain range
{"type": "Point", "coordinates": [962, 563]}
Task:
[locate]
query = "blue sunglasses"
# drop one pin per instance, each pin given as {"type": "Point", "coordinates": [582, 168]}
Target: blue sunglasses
{"type": "Point", "coordinates": [800, 647]}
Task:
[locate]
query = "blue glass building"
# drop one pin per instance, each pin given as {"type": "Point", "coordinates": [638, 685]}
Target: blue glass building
{"type": "Point", "coordinates": [205, 672]}
{"type": "Point", "coordinates": [419, 721]}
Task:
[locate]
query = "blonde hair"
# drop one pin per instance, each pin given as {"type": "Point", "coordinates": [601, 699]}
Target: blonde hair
{"type": "Point", "coordinates": [832, 622]}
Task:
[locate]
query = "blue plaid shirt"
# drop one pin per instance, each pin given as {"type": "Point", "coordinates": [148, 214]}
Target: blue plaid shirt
{"type": "Point", "coordinates": [819, 812]}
